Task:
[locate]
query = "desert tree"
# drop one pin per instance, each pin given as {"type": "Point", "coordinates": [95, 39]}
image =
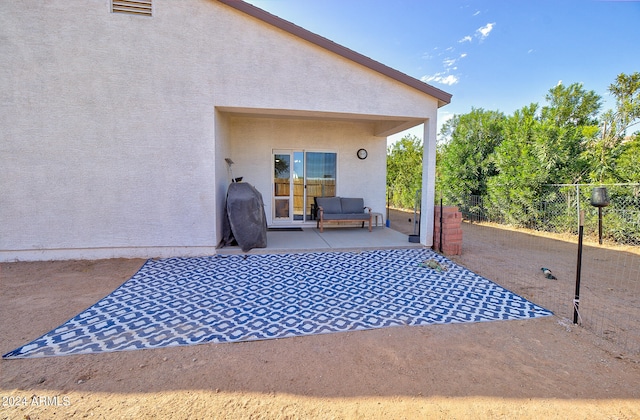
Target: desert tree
{"type": "Point", "coordinates": [404, 171]}
{"type": "Point", "coordinates": [466, 155]}
{"type": "Point", "coordinates": [604, 150]}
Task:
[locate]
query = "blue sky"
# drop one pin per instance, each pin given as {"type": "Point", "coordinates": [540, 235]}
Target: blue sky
{"type": "Point", "coordinates": [496, 55]}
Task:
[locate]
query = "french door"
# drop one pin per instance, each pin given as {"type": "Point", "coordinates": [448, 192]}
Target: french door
{"type": "Point", "coordinates": [298, 177]}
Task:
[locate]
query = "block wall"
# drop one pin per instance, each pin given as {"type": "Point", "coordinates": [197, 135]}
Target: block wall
{"type": "Point", "coordinates": [451, 230]}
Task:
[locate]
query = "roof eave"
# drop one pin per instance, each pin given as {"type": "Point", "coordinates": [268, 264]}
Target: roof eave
{"type": "Point", "coordinates": [443, 97]}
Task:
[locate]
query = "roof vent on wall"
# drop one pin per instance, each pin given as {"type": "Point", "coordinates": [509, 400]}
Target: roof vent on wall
{"type": "Point", "coordinates": [132, 7]}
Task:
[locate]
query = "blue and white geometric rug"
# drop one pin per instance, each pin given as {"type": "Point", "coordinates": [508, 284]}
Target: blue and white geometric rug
{"type": "Point", "coordinates": [228, 298]}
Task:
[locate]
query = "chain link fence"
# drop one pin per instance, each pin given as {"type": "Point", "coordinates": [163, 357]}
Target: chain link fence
{"type": "Point", "coordinates": [542, 225]}
{"type": "Point", "coordinates": [557, 208]}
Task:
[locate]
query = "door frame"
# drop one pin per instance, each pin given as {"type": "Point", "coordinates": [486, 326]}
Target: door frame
{"type": "Point", "coordinates": [291, 220]}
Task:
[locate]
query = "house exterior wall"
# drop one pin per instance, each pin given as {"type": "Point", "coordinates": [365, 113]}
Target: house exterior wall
{"type": "Point", "coordinates": [111, 143]}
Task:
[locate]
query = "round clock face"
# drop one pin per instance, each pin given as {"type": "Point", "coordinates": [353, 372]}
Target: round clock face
{"type": "Point", "coordinates": [362, 154]}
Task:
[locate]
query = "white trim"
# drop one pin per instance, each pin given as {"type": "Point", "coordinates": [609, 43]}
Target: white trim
{"type": "Point", "coordinates": [288, 220]}
{"type": "Point", "coordinates": [272, 221]}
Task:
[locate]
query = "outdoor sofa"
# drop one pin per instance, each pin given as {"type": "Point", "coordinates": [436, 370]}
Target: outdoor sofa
{"type": "Point", "coordinates": [341, 209]}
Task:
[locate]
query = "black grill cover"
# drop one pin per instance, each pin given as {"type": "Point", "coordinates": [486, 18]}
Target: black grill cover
{"type": "Point", "coordinates": [244, 221]}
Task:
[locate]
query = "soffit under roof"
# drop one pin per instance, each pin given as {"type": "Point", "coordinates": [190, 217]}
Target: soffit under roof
{"type": "Point", "coordinates": [383, 125]}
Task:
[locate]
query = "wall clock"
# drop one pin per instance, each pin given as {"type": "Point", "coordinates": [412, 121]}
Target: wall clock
{"type": "Point", "coordinates": [362, 153]}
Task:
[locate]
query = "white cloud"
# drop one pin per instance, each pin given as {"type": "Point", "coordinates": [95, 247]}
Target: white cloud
{"type": "Point", "coordinates": [445, 77]}
{"type": "Point", "coordinates": [481, 33]}
{"type": "Point", "coordinates": [449, 62]}
{"type": "Point", "coordinates": [484, 31]}
{"type": "Point", "coordinates": [476, 13]}
{"type": "Point", "coordinates": [449, 79]}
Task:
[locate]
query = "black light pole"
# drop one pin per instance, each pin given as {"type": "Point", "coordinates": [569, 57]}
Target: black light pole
{"type": "Point", "coordinates": [440, 224]}
{"type": "Point", "coordinates": [600, 225]}
{"type": "Point", "coordinates": [388, 223]}
{"type": "Point", "coordinates": [576, 300]}
{"type": "Point", "coordinates": [599, 199]}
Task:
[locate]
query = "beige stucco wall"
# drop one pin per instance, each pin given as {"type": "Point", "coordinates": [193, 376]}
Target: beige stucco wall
{"type": "Point", "coordinates": [111, 144]}
{"type": "Point", "coordinates": [254, 139]}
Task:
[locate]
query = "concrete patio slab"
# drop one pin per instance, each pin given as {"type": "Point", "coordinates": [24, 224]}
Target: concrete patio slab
{"type": "Point", "coordinates": [332, 239]}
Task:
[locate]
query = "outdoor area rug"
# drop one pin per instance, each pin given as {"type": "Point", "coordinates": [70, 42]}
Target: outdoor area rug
{"type": "Point", "coordinates": [230, 298]}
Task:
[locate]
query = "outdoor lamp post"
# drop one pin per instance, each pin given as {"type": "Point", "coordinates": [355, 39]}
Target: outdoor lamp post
{"type": "Point", "coordinates": [599, 199]}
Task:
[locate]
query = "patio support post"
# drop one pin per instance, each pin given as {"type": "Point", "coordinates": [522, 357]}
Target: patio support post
{"type": "Point", "coordinates": [428, 182]}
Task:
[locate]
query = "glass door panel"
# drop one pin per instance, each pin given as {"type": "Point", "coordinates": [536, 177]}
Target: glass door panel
{"type": "Point", "coordinates": [298, 178]}
{"type": "Point", "coordinates": [281, 186]}
{"type": "Point", "coordinates": [321, 178]}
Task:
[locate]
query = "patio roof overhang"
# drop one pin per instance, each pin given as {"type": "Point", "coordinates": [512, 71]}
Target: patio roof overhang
{"type": "Point", "coordinates": [383, 125]}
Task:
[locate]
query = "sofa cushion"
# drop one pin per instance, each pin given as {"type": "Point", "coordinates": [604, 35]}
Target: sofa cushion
{"type": "Point", "coordinates": [330, 204]}
{"type": "Point", "coordinates": [352, 205]}
{"type": "Point", "coordinates": [346, 216]}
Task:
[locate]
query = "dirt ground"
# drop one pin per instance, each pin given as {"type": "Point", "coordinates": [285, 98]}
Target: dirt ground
{"type": "Point", "coordinates": [543, 368]}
